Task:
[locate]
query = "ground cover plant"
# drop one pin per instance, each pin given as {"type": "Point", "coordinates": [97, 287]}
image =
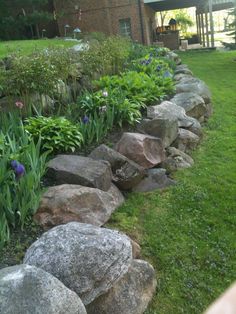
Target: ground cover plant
{"type": "Point", "coordinates": [188, 231]}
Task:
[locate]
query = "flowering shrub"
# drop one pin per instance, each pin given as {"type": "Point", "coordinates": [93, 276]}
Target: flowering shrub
{"type": "Point", "coordinates": [57, 134]}
{"type": "Point", "coordinates": [21, 168]}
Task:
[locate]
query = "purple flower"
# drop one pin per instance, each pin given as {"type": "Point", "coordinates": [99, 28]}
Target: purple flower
{"type": "Point", "coordinates": [159, 68]}
{"type": "Point", "coordinates": [85, 119]}
{"type": "Point", "coordinates": [19, 171]}
{"type": "Point", "coordinates": [14, 164]}
{"type": "Point", "coordinates": [167, 74]}
{"type": "Point", "coordinates": [18, 168]}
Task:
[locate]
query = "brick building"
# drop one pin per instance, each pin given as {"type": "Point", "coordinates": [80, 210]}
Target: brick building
{"type": "Point", "coordinates": [124, 17]}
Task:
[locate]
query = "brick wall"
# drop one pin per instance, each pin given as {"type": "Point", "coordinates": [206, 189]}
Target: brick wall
{"type": "Point", "coordinates": [104, 16]}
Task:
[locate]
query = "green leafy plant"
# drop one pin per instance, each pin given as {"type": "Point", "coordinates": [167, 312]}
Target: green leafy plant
{"type": "Point", "coordinates": [56, 133]}
{"type": "Point", "coordinates": [21, 169]}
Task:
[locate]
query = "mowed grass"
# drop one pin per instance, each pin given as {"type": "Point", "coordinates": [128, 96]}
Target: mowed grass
{"type": "Point", "coordinates": [188, 232]}
{"type": "Point", "coordinates": [25, 47]}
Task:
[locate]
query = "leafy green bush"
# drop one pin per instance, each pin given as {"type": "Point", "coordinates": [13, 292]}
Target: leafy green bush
{"type": "Point", "coordinates": [140, 87]}
{"type": "Point", "coordinates": [21, 169]}
{"type": "Point", "coordinates": [57, 134]}
{"type": "Point", "coordinates": [106, 57]}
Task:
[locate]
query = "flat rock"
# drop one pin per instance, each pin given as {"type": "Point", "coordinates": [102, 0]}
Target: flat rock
{"type": "Point", "coordinates": [193, 104]}
{"type": "Point", "coordinates": [181, 76]}
{"type": "Point", "coordinates": [28, 289]}
{"type": "Point", "coordinates": [131, 294]}
{"type": "Point", "coordinates": [196, 86]}
{"type": "Point", "coordinates": [87, 259]}
{"type": "Point", "coordinates": [145, 150]}
{"type": "Point", "coordinates": [73, 169]}
{"type": "Point", "coordinates": [176, 159]}
{"type": "Point", "coordinates": [126, 173]}
{"type": "Point", "coordinates": [156, 180]}
{"type": "Point", "coordinates": [65, 203]}
{"type": "Point", "coordinates": [164, 128]}
{"type": "Point", "coordinates": [183, 69]}
{"type": "Point", "coordinates": [186, 140]}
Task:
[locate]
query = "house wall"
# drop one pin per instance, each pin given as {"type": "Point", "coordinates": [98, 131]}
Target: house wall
{"type": "Point", "coordinates": [104, 15]}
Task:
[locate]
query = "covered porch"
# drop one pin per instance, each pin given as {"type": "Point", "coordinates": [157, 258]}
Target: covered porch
{"type": "Point", "coordinates": [204, 14]}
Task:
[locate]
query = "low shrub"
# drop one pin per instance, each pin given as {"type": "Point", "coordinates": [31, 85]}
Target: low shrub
{"type": "Point", "coordinates": [57, 134]}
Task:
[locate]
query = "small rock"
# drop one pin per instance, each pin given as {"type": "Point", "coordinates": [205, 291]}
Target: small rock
{"type": "Point", "coordinates": [65, 203]}
{"type": "Point", "coordinates": [136, 249]}
{"type": "Point", "coordinates": [126, 173]}
{"type": "Point", "coordinates": [145, 150]}
{"type": "Point", "coordinates": [130, 295]}
{"type": "Point", "coordinates": [164, 128]}
{"type": "Point", "coordinates": [174, 57]}
{"type": "Point", "coordinates": [72, 169]}
{"type": "Point", "coordinates": [176, 159]}
{"type": "Point", "coordinates": [156, 180]}
{"type": "Point", "coordinates": [186, 140]}
{"type": "Point", "coordinates": [179, 77]}
{"type": "Point", "coordinates": [27, 289]}
{"type": "Point", "coordinates": [87, 259]}
{"type": "Point", "coordinates": [183, 69]}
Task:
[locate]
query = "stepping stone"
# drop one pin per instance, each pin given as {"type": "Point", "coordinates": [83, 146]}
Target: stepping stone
{"type": "Point", "coordinates": [73, 169]}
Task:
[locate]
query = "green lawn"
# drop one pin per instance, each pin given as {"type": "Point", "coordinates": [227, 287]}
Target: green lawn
{"type": "Point", "coordinates": [188, 233]}
{"type": "Point", "coordinates": [28, 46]}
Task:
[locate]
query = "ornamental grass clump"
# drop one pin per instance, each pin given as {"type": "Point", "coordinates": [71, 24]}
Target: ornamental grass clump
{"type": "Point", "coordinates": [21, 168]}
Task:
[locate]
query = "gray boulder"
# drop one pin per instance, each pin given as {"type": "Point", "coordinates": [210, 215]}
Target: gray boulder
{"type": "Point", "coordinates": [130, 295]}
{"type": "Point", "coordinates": [156, 180]}
{"type": "Point", "coordinates": [186, 140]}
{"type": "Point", "coordinates": [176, 159]}
{"type": "Point", "coordinates": [145, 150]}
{"type": "Point", "coordinates": [126, 173]}
{"type": "Point", "coordinates": [65, 203]}
{"type": "Point", "coordinates": [164, 128]}
{"type": "Point", "coordinates": [169, 110]}
{"type": "Point", "coordinates": [87, 259]}
{"type": "Point", "coordinates": [26, 289]}
{"type": "Point", "coordinates": [173, 57]}
{"type": "Point", "coordinates": [179, 77]}
{"type": "Point", "coordinates": [73, 169]}
{"type": "Point", "coordinates": [196, 86]}
{"type": "Point", "coordinates": [193, 104]}
{"type": "Point", "coordinates": [183, 69]}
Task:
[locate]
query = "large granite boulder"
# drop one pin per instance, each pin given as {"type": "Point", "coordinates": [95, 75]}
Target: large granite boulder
{"type": "Point", "coordinates": [176, 159]}
{"type": "Point", "coordinates": [73, 169]}
{"type": "Point", "coordinates": [164, 128]}
{"type": "Point", "coordinates": [169, 110]}
{"type": "Point", "coordinates": [145, 150]}
{"type": "Point", "coordinates": [183, 69]}
{"type": "Point", "coordinates": [156, 180]}
{"type": "Point", "coordinates": [65, 203]}
{"type": "Point", "coordinates": [130, 295]}
{"type": "Point", "coordinates": [186, 140]}
{"type": "Point", "coordinates": [173, 57]}
{"type": "Point", "coordinates": [196, 86]}
{"type": "Point", "coordinates": [27, 289]}
{"type": "Point", "coordinates": [193, 104]}
{"type": "Point", "coordinates": [87, 259]}
{"type": "Point", "coordinates": [126, 173]}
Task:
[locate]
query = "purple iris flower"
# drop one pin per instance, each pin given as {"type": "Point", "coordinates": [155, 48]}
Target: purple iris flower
{"type": "Point", "coordinates": [167, 74]}
{"type": "Point", "coordinates": [18, 168]}
{"type": "Point", "coordinates": [19, 171]}
{"type": "Point", "coordinates": [85, 119]}
{"type": "Point", "coordinates": [14, 164]}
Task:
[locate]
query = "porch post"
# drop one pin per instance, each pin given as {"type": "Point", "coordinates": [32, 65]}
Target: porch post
{"type": "Point", "coordinates": [211, 23]}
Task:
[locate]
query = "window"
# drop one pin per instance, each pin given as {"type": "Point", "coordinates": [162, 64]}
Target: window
{"type": "Point", "coordinates": [125, 27]}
